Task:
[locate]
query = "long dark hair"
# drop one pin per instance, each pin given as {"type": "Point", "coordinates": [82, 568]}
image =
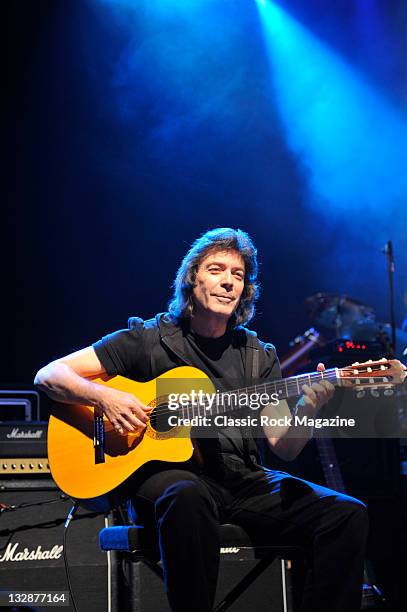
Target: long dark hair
{"type": "Point", "coordinates": [220, 239]}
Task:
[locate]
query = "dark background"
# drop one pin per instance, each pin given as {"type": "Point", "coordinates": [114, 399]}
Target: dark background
{"type": "Point", "coordinates": [131, 130]}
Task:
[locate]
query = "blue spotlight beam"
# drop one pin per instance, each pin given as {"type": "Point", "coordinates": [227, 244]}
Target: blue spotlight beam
{"type": "Point", "coordinates": [351, 141]}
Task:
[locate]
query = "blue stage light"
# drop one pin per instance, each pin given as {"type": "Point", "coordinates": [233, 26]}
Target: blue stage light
{"type": "Point", "coordinates": [349, 138]}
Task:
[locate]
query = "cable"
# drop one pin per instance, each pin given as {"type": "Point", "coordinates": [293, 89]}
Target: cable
{"type": "Point", "coordinates": [8, 508]}
{"type": "Point", "coordinates": [11, 508]}
{"type": "Point", "coordinates": [67, 522]}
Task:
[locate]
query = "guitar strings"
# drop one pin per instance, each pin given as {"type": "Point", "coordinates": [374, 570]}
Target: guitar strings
{"type": "Point", "coordinates": [330, 375]}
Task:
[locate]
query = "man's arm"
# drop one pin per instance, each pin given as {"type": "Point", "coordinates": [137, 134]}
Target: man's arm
{"type": "Point", "coordinates": [281, 439]}
{"type": "Point", "coordinates": [68, 380]}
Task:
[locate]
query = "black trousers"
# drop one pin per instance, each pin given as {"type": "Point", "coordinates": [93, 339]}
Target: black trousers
{"type": "Point", "coordinates": [183, 510]}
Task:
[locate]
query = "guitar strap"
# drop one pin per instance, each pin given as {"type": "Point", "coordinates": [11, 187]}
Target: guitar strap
{"type": "Point", "coordinates": [251, 376]}
{"type": "Point", "coordinates": [252, 342]}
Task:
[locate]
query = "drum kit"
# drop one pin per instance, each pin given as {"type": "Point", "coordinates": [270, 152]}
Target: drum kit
{"type": "Point", "coordinates": [344, 321]}
{"type": "Point", "coordinates": [347, 332]}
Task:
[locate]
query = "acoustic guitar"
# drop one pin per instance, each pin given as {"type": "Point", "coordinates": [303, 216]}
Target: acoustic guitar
{"type": "Point", "coordinates": [88, 458]}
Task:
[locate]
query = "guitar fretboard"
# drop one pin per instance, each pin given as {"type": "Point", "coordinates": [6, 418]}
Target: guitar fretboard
{"type": "Point", "coordinates": [228, 401]}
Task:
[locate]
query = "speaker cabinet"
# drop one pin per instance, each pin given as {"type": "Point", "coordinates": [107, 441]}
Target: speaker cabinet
{"type": "Point", "coordinates": [31, 546]}
{"type": "Point", "coordinates": [271, 592]}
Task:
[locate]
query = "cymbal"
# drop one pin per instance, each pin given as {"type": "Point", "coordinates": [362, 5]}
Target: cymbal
{"type": "Point", "coordinates": [335, 311]}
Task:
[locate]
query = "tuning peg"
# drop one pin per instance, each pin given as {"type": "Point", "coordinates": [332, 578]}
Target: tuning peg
{"type": "Point", "coordinates": [369, 369]}
{"type": "Point", "coordinates": [374, 392]}
{"type": "Point", "coordinates": [360, 393]}
{"type": "Point", "coordinates": [356, 363]}
{"type": "Point", "coordinates": [388, 391]}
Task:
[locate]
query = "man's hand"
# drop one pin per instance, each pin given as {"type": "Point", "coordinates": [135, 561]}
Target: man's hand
{"type": "Point", "coordinates": [318, 394]}
{"type": "Point", "coordinates": [125, 412]}
{"type": "Point", "coordinates": [68, 380]}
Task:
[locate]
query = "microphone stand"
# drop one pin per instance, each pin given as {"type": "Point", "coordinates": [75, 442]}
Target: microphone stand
{"type": "Point", "coordinates": [388, 251]}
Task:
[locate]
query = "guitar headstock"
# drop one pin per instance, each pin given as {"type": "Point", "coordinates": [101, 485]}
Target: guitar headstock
{"type": "Point", "coordinates": [373, 374]}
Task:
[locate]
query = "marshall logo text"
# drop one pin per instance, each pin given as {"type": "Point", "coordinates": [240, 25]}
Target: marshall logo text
{"type": "Point", "coordinates": [16, 433]}
{"type": "Point", "coordinates": [36, 554]}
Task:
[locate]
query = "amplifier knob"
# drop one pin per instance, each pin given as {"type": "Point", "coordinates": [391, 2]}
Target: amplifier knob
{"type": "Point", "coordinates": [13, 466]}
{"type": "Point", "coordinates": [22, 466]}
{"type": "Point", "coordinates": [31, 466]}
{"type": "Point", "coordinates": [40, 466]}
{"type": "Point", "coordinates": [4, 466]}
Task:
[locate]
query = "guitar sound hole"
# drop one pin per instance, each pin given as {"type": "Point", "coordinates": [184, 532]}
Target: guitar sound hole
{"type": "Point", "coordinates": [159, 418]}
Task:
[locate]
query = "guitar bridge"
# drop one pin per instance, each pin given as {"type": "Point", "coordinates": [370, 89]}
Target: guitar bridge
{"type": "Point", "coordinates": [99, 438]}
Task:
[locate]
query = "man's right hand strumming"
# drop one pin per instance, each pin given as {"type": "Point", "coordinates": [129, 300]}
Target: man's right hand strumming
{"type": "Point", "coordinates": [125, 412]}
{"type": "Point", "coordinates": [68, 380]}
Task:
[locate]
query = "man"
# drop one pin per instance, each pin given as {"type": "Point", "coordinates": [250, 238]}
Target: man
{"type": "Point", "coordinates": [214, 296]}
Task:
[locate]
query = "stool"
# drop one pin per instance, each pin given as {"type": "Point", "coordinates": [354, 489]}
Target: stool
{"type": "Point", "coordinates": [235, 545]}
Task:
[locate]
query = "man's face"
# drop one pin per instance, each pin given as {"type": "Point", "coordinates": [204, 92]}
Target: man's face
{"type": "Point", "coordinates": [219, 283]}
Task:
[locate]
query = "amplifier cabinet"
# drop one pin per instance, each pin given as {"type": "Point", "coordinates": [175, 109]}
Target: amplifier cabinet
{"type": "Point", "coordinates": [143, 591]}
{"type": "Point", "coordinates": [31, 547]}
{"type": "Point", "coordinates": [19, 404]}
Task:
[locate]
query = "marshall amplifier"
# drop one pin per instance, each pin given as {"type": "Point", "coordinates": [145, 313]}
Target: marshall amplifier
{"type": "Point", "coordinates": [19, 439]}
{"type": "Point", "coordinates": [143, 591]}
{"type": "Point", "coordinates": [33, 513]}
{"type": "Point", "coordinates": [23, 449]}
{"type": "Point", "coordinates": [270, 592]}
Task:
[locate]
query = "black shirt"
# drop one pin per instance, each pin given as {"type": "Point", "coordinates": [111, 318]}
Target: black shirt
{"type": "Point", "coordinates": [218, 357]}
{"type": "Point", "coordinates": [222, 361]}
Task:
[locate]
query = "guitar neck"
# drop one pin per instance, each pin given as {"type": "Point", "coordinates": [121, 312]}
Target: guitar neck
{"type": "Point", "coordinates": [370, 374]}
{"type": "Point", "coordinates": [222, 402]}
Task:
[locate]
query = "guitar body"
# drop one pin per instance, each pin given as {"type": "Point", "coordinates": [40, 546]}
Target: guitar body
{"type": "Point", "coordinates": [71, 450]}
